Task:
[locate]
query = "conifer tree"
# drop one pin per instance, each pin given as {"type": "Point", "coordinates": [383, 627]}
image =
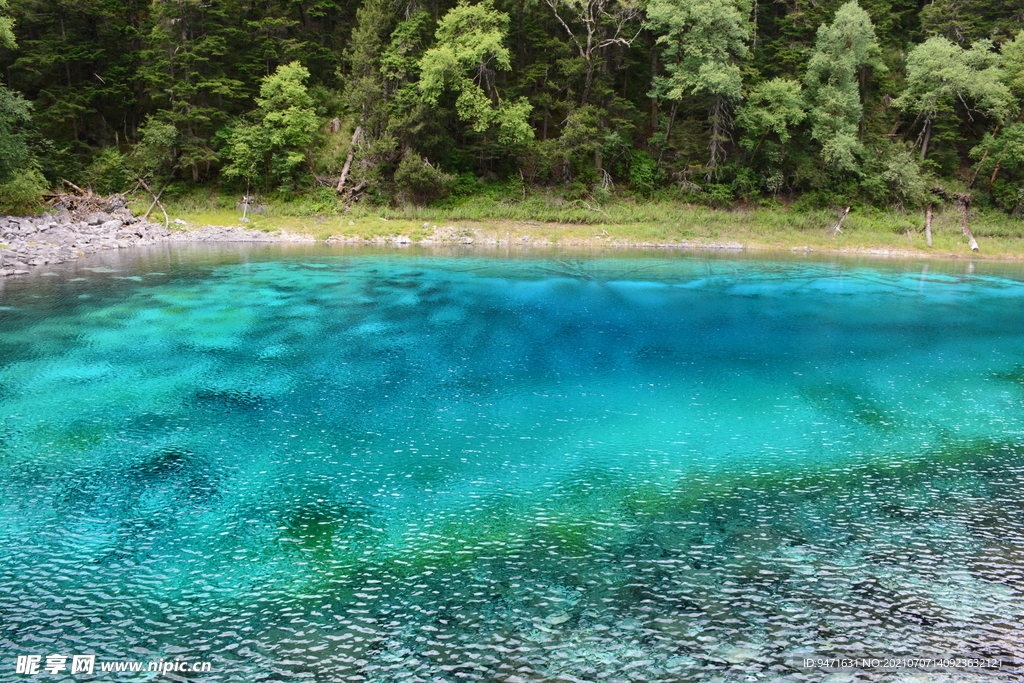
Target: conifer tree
{"type": "Point", "coordinates": [702, 43]}
{"type": "Point", "coordinates": [842, 51]}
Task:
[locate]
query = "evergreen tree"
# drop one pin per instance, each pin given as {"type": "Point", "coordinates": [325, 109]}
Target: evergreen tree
{"type": "Point", "coordinates": [187, 67]}
{"type": "Point", "coordinates": [702, 43]}
{"type": "Point", "coordinates": [275, 146]}
{"type": "Point", "coordinates": [833, 80]}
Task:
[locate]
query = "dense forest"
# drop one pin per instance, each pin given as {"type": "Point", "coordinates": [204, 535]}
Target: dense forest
{"type": "Point", "coordinates": [414, 101]}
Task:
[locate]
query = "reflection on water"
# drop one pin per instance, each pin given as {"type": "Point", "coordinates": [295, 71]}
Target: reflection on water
{"type": "Point", "coordinates": [410, 467]}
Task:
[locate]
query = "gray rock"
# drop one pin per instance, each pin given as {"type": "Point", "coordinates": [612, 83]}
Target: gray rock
{"type": "Point", "coordinates": [64, 236]}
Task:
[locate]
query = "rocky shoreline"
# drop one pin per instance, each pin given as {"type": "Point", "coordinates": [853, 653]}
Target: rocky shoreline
{"type": "Point", "coordinates": [71, 232]}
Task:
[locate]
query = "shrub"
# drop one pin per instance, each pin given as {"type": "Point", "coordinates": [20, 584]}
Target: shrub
{"type": "Point", "coordinates": [23, 194]}
{"type": "Point", "coordinates": [643, 173]}
{"type": "Point", "coordinates": [109, 172]}
{"type": "Point", "coordinates": [418, 182]}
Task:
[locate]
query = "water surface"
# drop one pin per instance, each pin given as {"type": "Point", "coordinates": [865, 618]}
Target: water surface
{"type": "Point", "coordinates": [401, 466]}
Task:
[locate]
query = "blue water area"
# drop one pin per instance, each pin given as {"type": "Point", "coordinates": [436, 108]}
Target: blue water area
{"type": "Point", "coordinates": [350, 465]}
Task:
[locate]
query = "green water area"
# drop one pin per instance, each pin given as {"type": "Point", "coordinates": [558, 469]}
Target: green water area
{"type": "Point", "coordinates": [331, 464]}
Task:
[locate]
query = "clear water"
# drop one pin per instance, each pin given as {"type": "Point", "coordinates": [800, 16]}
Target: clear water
{"type": "Point", "coordinates": [353, 466]}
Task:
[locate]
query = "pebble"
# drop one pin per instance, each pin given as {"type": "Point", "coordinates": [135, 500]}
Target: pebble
{"type": "Point", "coordinates": [33, 241]}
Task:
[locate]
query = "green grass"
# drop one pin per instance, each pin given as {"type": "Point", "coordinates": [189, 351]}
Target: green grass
{"type": "Point", "coordinates": [546, 218]}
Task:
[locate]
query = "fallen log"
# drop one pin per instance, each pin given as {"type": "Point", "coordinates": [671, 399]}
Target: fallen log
{"type": "Point", "coordinates": [348, 160]}
{"type": "Point", "coordinates": [838, 227]}
{"type": "Point", "coordinates": [156, 200]}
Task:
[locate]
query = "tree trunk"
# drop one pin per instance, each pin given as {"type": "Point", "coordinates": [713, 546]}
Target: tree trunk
{"type": "Point", "coordinates": [984, 156]}
{"type": "Point", "coordinates": [758, 145]}
{"type": "Point", "coordinates": [927, 138]}
{"type": "Point", "coordinates": [995, 173]}
{"type": "Point", "coordinates": [668, 128]}
{"type": "Point", "coordinates": [981, 161]}
{"type": "Point", "coordinates": [653, 97]}
{"type": "Point", "coordinates": [838, 227]}
{"type": "Point", "coordinates": [961, 203]}
{"type": "Point", "coordinates": [928, 225]}
{"type": "Point", "coordinates": [716, 148]}
{"type": "Point", "coordinates": [348, 160]}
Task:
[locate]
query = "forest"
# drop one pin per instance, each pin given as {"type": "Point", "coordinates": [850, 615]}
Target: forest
{"type": "Point", "coordinates": [888, 103]}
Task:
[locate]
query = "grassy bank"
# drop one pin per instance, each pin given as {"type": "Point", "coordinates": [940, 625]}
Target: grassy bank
{"type": "Point", "coordinates": [550, 220]}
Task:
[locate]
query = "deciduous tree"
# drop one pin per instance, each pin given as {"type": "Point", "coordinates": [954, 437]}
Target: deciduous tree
{"type": "Point", "coordinates": [470, 49]}
{"type": "Point", "coordinates": [275, 146]}
{"type": "Point", "coordinates": [942, 76]}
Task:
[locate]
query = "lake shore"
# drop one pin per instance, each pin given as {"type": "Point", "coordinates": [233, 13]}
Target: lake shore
{"type": "Point", "coordinates": [624, 224]}
{"type": "Point", "coordinates": [502, 234]}
{"type": "Point", "coordinates": [67, 234]}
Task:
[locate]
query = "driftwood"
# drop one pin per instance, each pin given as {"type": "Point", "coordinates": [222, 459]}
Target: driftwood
{"type": "Point", "coordinates": [348, 160]}
{"type": "Point", "coordinates": [83, 202]}
{"type": "Point", "coordinates": [928, 225]}
{"type": "Point", "coordinates": [76, 188]}
{"type": "Point", "coordinates": [838, 227]}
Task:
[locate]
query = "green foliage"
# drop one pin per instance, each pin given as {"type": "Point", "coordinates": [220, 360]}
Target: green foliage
{"type": "Point", "coordinates": [941, 74]}
{"type": "Point", "coordinates": [418, 181]}
{"type": "Point", "coordinates": [470, 48]}
{"type": "Point", "coordinates": [176, 86]}
{"type": "Point", "coordinates": [774, 107]}
{"type": "Point", "coordinates": [15, 114]}
{"type": "Point", "coordinates": [701, 43]}
{"type": "Point", "coordinates": [7, 39]}
{"type": "Point", "coordinates": [155, 152]}
{"type": "Point", "coordinates": [109, 172]}
{"type": "Point", "coordinates": [188, 48]}
{"type": "Point", "coordinates": [966, 21]}
{"type": "Point", "coordinates": [943, 77]}
{"type": "Point", "coordinates": [575, 150]}
{"type": "Point", "coordinates": [842, 50]}
{"type": "Point", "coordinates": [1005, 150]}
{"type": "Point", "coordinates": [643, 173]}
{"type": "Point", "coordinates": [719, 195]}
{"type": "Point", "coordinates": [893, 176]}
{"type": "Point", "coordinates": [276, 147]}
{"type": "Point", "coordinates": [23, 194]}
{"type": "Point", "coordinates": [1013, 65]}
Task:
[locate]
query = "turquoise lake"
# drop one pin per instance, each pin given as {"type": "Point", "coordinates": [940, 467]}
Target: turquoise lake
{"type": "Point", "coordinates": [333, 464]}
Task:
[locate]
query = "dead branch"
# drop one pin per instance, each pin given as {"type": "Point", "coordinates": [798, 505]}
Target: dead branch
{"type": "Point", "coordinates": [838, 227]}
{"type": "Point", "coordinates": [348, 160]}
{"type": "Point", "coordinates": [156, 200]}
